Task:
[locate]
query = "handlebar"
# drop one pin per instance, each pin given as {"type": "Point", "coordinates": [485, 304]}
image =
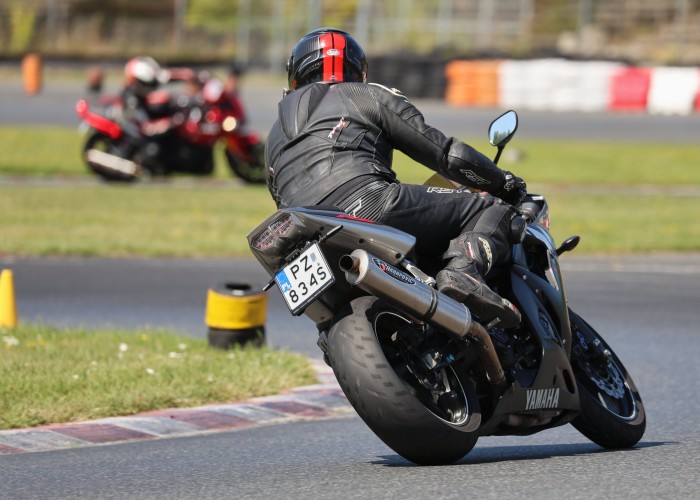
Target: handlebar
{"type": "Point", "coordinates": [534, 207]}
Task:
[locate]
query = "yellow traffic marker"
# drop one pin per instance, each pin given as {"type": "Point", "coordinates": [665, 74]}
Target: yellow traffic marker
{"type": "Point", "coordinates": [8, 307]}
{"type": "Point", "coordinates": [235, 314]}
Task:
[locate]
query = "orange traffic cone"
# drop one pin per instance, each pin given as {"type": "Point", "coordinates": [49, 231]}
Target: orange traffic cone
{"type": "Point", "coordinates": [8, 308]}
{"type": "Point", "coordinates": [32, 73]}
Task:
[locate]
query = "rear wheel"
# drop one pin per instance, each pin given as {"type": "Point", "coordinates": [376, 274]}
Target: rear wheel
{"type": "Point", "coordinates": [612, 412]}
{"type": "Point", "coordinates": [428, 416]}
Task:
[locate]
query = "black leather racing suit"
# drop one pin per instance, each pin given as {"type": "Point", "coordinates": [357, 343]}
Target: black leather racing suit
{"type": "Point", "coordinates": [332, 144]}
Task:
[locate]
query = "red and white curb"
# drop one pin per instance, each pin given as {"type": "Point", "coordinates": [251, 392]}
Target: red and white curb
{"type": "Point", "coordinates": [322, 400]}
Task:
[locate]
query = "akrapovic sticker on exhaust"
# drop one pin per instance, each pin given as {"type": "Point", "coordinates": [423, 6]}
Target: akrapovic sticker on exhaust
{"type": "Point", "coordinates": [393, 272]}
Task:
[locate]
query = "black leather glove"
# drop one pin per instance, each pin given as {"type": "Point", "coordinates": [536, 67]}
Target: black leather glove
{"type": "Point", "coordinates": [514, 189]}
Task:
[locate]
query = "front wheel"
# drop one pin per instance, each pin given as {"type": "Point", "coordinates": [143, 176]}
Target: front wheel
{"type": "Point", "coordinates": [612, 413]}
{"type": "Point", "coordinates": [248, 165]}
{"type": "Point", "coordinates": [429, 417]}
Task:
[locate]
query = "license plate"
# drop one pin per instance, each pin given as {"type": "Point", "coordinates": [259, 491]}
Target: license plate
{"type": "Point", "coordinates": [304, 279]}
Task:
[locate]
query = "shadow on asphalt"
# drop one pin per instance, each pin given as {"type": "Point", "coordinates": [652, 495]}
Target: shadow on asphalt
{"type": "Point", "coordinates": [496, 454]}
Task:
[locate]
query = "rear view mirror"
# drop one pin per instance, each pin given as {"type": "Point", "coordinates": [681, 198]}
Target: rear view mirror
{"type": "Point", "coordinates": [503, 128]}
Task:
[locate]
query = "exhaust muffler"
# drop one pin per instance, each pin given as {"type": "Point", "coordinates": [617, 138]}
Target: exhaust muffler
{"type": "Point", "coordinates": [109, 162]}
{"type": "Point", "coordinates": [409, 294]}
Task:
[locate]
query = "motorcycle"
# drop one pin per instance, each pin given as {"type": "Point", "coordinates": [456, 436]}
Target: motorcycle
{"type": "Point", "coordinates": [426, 375]}
{"type": "Point", "coordinates": [181, 139]}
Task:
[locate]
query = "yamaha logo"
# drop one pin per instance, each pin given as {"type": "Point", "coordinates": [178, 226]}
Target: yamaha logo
{"type": "Point", "coordinates": [542, 398]}
{"type": "Point", "coordinates": [333, 52]}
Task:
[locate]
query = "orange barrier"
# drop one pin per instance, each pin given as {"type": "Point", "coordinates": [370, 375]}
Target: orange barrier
{"type": "Point", "coordinates": [472, 83]}
{"type": "Point", "coordinates": [31, 73]}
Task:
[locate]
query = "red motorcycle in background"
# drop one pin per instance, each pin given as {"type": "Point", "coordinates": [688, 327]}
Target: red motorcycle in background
{"type": "Point", "coordinates": [180, 136]}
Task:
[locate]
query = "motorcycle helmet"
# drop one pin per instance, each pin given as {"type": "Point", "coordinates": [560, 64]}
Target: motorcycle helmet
{"type": "Point", "coordinates": [212, 90]}
{"type": "Point", "coordinates": [142, 73]}
{"type": "Point", "coordinates": [326, 55]}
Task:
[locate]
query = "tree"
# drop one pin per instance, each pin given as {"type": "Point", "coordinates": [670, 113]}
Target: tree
{"type": "Point", "coordinates": [22, 19]}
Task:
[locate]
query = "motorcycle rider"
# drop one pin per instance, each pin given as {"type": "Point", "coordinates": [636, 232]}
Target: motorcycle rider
{"type": "Point", "coordinates": [142, 76]}
{"type": "Point", "coordinates": [332, 144]}
{"type": "Point", "coordinates": [148, 113]}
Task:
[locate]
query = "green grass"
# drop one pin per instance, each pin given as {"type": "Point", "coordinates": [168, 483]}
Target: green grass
{"type": "Point", "coordinates": [197, 221]}
{"type": "Point", "coordinates": [50, 376]}
{"type": "Point", "coordinates": [587, 163]}
{"type": "Point", "coordinates": [56, 151]}
{"type": "Point", "coordinates": [210, 218]}
{"type": "Point", "coordinates": [626, 223]}
{"type": "Point", "coordinates": [146, 220]}
{"type": "Point", "coordinates": [596, 163]}
{"type": "Point", "coordinates": [40, 150]}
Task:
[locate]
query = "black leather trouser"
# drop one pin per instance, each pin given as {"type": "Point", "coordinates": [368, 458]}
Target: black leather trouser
{"type": "Point", "coordinates": [437, 215]}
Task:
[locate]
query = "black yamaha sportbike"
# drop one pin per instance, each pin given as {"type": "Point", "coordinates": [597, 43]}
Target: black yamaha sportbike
{"type": "Point", "coordinates": [423, 373]}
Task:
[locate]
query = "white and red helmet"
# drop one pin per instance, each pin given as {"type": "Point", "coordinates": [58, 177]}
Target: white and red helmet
{"type": "Point", "coordinates": [144, 71]}
{"type": "Point", "coordinates": [213, 90]}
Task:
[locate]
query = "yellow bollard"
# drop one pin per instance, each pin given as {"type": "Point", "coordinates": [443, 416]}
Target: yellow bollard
{"type": "Point", "coordinates": [8, 308]}
{"type": "Point", "coordinates": [235, 315]}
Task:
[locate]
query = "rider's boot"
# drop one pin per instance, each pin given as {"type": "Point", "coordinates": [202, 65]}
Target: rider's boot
{"type": "Point", "coordinates": [470, 257]}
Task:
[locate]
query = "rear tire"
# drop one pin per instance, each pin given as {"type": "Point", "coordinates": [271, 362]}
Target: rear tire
{"type": "Point", "coordinates": [612, 413]}
{"type": "Point", "coordinates": [423, 427]}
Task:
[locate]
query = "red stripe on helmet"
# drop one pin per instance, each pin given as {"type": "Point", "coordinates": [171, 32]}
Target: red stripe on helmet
{"type": "Point", "coordinates": [333, 47]}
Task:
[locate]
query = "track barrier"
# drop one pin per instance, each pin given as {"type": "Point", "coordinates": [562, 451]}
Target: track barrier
{"type": "Point", "coordinates": [557, 84]}
{"type": "Point", "coordinates": [673, 90]}
{"type": "Point", "coordinates": [629, 89]}
{"type": "Point", "coordinates": [472, 83]}
{"type": "Point", "coordinates": [235, 315]}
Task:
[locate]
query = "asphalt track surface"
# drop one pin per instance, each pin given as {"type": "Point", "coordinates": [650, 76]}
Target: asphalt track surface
{"type": "Point", "coordinates": [261, 93]}
{"type": "Point", "coordinates": [646, 307]}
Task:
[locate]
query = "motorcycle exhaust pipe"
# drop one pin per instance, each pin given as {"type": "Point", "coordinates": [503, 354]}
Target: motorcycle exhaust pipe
{"type": "Point", "coordinates": [409, 294]}
{"type": "Point", "coordinates": [107, 161]}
